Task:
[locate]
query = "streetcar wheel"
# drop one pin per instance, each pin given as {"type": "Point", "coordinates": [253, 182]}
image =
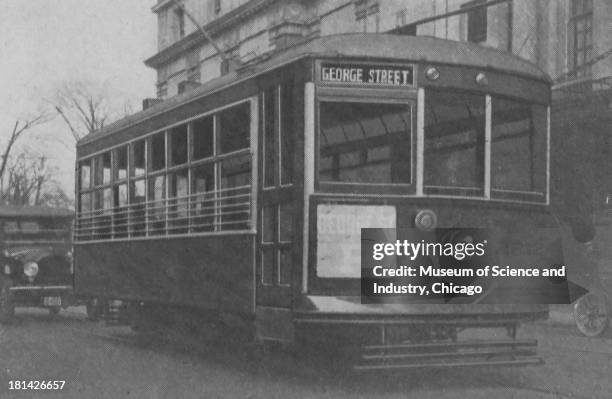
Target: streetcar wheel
{"type": "Point", "coordinates": [7, 307]}
{"type": "Point", "coordinates": [591, 314]}
{"type": "Point", "coordinates": [54, 310]}
{"type": "Point", "coordinates": [94, 309]}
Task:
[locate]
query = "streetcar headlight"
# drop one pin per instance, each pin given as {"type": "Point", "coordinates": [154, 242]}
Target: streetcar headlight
{"type": "Point", "coordinates": [5, 253]}
{"type": "Point", "coordinates": [432, 73]}
{"type": "Point", "coordinates": [481, 79]}
{"type": "Point", "coordinates": [30, 269]}
{"type": "Point", "coordinates": [426, 220]}
{"type": "Point", "coordinates": [7, 269]}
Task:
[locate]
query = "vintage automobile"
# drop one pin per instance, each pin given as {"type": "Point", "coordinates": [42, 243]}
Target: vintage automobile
{"type": "Point", "coordinates": [35, 259]}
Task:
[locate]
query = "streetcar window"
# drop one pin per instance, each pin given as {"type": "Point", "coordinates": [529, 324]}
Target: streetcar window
{"type": "Point", "coordinates": [121, 210]}
{"type": "Point", "coordinates": [287, 139]}
{"type": "Point", "coordinates": [121, 162]}
{"type": "Point", "coordinates": [203, 183]}
{"type": "Point", "coordinates": [269, 260]}
{"type": "Point", "coordinates": [236, 172]}
{"type": "Point", "coordinates": [137, 211]}
{"type": "Point", "coordinates": [102, 169]}
{"type": "Point", "coordinates": [270, 132]}
{"type": "Point", "coordinates": [156, 204]}
{"type": "Point", "coordinates": [203, 142]}
{"type": "Point", "coordinates": [85, 174]}
{"type": "Point", "coordinates": [121, 198]}
{"type": "Point", "coordinates": [234, 206]}
{"type": "Point", "coordinates": [178, 145]}
{"type": "Point", "coordinates": [234, 128]}
{"type": "Point", "coordinates": [268, 217]}
{"type": "Point", "coordinates": [178, 213]}
{"type": "Point", "coordinates": [518, 149]}
{"type": "Point", "coordinates": [104, 204]}
{"type": "Point", "coordinates": [138, 149]}
{"type": "Point", "coordinates": [286, 222]}
{"type": "Point", "coordinates": [278, 137]}
{"type": "Point", "coordinates": [284, 266]}
{"type": "Point", "coordinates": [104, 199]}
{"type": "Point", "coordinates": [158, 152]}
{"type": "Point", "coordinates": [365, 143]}
{"type": "Point", "coordinates": [85, 202]}
{"type": "Point", "coordinates": [454, 140]}
{"type": "Point", "coordinates": [106, 168]}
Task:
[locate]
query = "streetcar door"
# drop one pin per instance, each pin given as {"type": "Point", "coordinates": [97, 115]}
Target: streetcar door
{"type": "Point", "coordinates": [275, 236]}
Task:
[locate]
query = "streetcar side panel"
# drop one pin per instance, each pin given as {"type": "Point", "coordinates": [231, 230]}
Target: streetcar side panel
{"type": "Point", "coordinates": [209, 272]}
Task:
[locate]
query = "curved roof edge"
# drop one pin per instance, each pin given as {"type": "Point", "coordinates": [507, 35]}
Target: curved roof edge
{"type": "Point", "coordinates": [361, 45]}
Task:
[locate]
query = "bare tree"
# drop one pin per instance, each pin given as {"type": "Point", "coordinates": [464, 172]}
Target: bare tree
{"type": "Point", "coordinates": [25, 180]}
{"type": "Point", "coordinates": [20, 127]}
{"type": "Point", "coordinates": [86, 108]}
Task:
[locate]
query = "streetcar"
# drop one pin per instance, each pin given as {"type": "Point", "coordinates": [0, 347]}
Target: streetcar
{"type": "Point", "coordinates": [240, 203]}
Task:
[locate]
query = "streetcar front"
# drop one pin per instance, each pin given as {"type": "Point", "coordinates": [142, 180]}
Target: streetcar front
{"type": "Point", "coordinates": [429, 144]}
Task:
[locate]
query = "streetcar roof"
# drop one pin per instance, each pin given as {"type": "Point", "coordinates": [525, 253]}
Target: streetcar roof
{"type": "Point", "coordinates": [34, 211]}
{"type": "Point", "coordinates": [352, 45]}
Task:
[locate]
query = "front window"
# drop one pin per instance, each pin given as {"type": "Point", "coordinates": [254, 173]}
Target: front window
{"type": "Point", "coordinates": [456, 149]}
{"type": "Point", "coordinates": [365, 143]}
{"type": "Point", "coordinates": [518, 147]}
{"type": "Point", "coordinates": [454, 142]}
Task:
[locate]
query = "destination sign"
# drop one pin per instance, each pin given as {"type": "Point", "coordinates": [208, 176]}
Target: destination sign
{"type": "Point", "coordinates": [376, 75]}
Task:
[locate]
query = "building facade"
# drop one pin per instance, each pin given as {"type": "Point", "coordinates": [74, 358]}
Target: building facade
{"type": "Point", "coordinates": [561, 36]}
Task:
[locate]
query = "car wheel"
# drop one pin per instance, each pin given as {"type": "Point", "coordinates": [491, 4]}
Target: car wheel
{"type": "Point", "coordinates": [94, 309]}
{"type": "Point", "coordinates": [591, 314]}
{"type": "Point", "coordinates": [7, 307]}
{"type": "Point", "coordinates": [53, 310]}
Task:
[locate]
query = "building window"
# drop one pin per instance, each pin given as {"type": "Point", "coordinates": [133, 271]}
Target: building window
{"type": "Point", "coordinates": [162, 89]}
{"type": "Point", "coordinates": [193, 66]}
{"type": "Point", "coordinates": [400, 18]}
{"type": "Point", "coordinates": [367, 14]}
{"type": "Point", "coordinates": [580, 38]}
{"type": "Point", "coordinates": [179, 17]}
{"type": "Point", "coordinates": [477, 21]}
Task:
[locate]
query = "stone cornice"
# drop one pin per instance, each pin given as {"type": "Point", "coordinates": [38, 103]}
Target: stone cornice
{"type": "Point", "coordinates": [214, 28]}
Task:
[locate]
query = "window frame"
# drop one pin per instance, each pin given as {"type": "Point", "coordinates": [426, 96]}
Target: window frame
{"type": "Point", "coordinates": [580, 57]}
{"type": "Point", "coordinates": [521, 195]}
{"type": "Point", "coordinates": [477, 24]}
{"type": "Point", "coordinates": [489, 193]}
{"type": "Point", "coordinates": [462, 191]}
{"type": "Point", "coordinates": [407, 97]}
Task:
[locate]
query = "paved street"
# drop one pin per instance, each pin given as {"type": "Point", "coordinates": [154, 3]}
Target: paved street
{"type": "Point", "coordinates": [100, 362]}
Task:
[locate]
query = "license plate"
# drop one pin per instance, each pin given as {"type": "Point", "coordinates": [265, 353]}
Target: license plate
{"type": "Point", "coordinates": [52, 301]}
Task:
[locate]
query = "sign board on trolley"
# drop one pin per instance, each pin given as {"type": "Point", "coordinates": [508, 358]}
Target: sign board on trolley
{"type": "Point", "coordinates": [373, 75]}
{"type": "Point", "coordinates": [339, 236]}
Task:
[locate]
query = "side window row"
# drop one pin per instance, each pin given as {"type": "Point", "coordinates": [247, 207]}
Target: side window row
{"type": "Point", "coordinates": [193, 177]}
